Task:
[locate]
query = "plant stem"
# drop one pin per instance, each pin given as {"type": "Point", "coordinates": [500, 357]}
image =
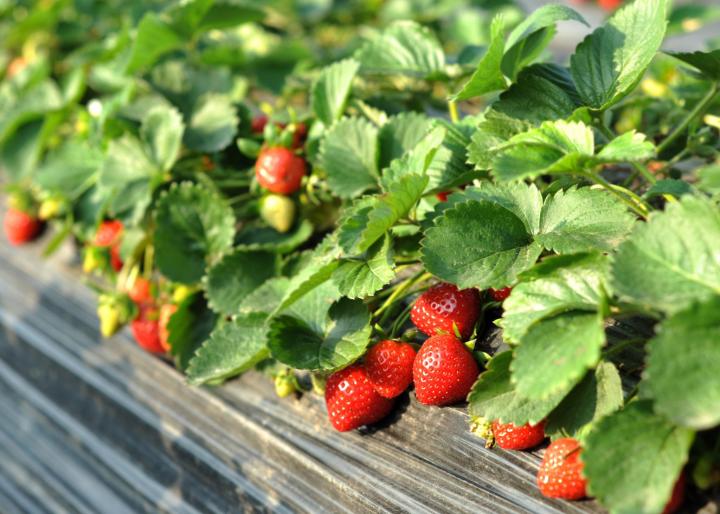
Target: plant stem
{"type": "Point", "coordinates": [453, 110]}
{"type": "Point", "coordinates": [697, 111]}
{"type": "Point", "coordinates": [399, 291]}
{"type": "Point", "coordinates": [621, 346]}
{"type": "Point", "coordinates": [639, 208]}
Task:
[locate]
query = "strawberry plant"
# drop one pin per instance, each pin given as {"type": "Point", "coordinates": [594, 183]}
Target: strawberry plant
{"type": "Point", "coordinates": [349, 197]}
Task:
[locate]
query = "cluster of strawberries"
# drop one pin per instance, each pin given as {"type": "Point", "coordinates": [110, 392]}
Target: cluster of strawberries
{"type": "Point", "coordinates": [443, 371]}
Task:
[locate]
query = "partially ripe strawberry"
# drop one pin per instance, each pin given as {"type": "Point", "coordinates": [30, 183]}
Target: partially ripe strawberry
{"type": "Point", "coordinates": [108, 233]}
{"type": "Point", "coordinates": [279, 170]}
{"type": "Point", "coordinates": [442, 306]}
{"type": "Point", "coordinates": [560, 473]}
{"type": "Point", "coordinates": [141, 291]}
{"type": "Point", "coordinates": [677, 496]}
{"type": "Point", "coordinates": [389, 366]}
{"type": "Point", "coordinates": [166, 312]}
{"type": "Point", "coordinates": [352, 401]}
{"type": "Point", "coordinates": [20, 227]}
{"type": "Point", "coordinates": [146, 330]}
{"type": "Point", "coordinates": [499, 295]}
{"type": "Point", "coordinates": [511, 437]}
{"type": "Point", "coordinates": [444, 371]}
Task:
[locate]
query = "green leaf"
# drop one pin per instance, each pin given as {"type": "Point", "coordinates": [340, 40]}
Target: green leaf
{"type": "Point", "coordinates": [584, 219]}
{"type": "Point", "coordinates": [599, 394]}
{"type": "Point", "coordinates": [70, 170]}
{"type": "Point", "coordinates": [676, 188]}
{"type": "Point", "coordinates": [161, 131]}
{"type": "Point", "coordinates": [478, 244]}
{"type": "Point", "coordinates": [371, 223]}
{"type": "Point", "coordinates": [630, 146]}
{"type": "Point", "coordinates": [493, 396]}
{"type": "Point", "coordinates": [523, 200]}
{"type": "Point", "coordinates": [153, 39]}
{"type": "Point", "coordinates": [362, 277]}
{"type": "Point", "coordinates": [267, 297]}
{"type": "Point", "coordinates": [258, 237]}
{"type": "Point", "coordinates": [34, 103]}
{"type": "Point", "coordinates": [193, 226]}
{"type": "Point", "coordinates": [641, 484]}
{"type": "Point", "coordinates": [225, 14]}
{"type": "Point", "coordinates": [348, 154]}
{"type": "Point", "coordinates": [404, 48]}
{"type": "Point", "coordinates": [401, 134]}
{"type": "Point", "coordinates": [531, 36]}
{"type": "Point", "coordinates": [671, 261]}
{"type": "Point", "coordinates": [708, 63]}
{"type": "Point", "coordinates": [417, 160]}
{"type": "Point", "coordinates": [341, 338]}
{"type": "Point", "coordinates": [709, 178]}
{"type": "Point", "coordinates": [488, 76]}
{"type": "Point", "coordinates": [331, 90]}
{"type": "Point", "coordinates": [542, 92]}
{"type": "Point", "coordinates": [212, 125]}
{"type": "Point", "coordinates": [189, 327]}
{"type": "Point", "coordinates": [609, 62]}
{"type": "Point", "coordinates": [128, 176]}
{"type": "Point", "coordinates": [556, 285]}
{"type": "Point", "coordinates": [683, 359]}
{"type": "Point", "coordinates": [555, 353]}
{"type": "Point", "coordinates": [235, 276]}
{"type": "Point", "coordinates": [232, 349]}
{"type": "Point", "coordinates": [491, 135]}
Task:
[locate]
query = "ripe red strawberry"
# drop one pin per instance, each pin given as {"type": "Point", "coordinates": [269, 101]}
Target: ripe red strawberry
{"type": "Point", "coordinates": [115, 260]}
{"type": "Point", "coordinates": [560, 473]}
{"type": "Point", "coordinates": [389, 366]}
{"type": "Point", "coordinates": [351, 400]}
{"type": "Point", "coordinates": [443, 195]}
{"type": "Point", "coordinates": [442, 306]}
{"type": "Point", "coordinates": [257, 125]}
{"type": "Point", "coordinates": [20, 227]}
{"type": "Point", "coordinates": [511, 437]}
{"type": "Point", "coordinates": [499, 295]}
{"type": "Point", "coordinates": [141, 291]}
{"type": "Point", "coordinates": [108, 233]}
{"type": "Point", "coordinates": [444, 371]}
{"type": "Point", "coordinates": [610, 5]}
{"type": "Point", "coordinates": [166, 312]}
{"type": "Point", "coordinates": [146, 330]}
{"type": "Point", "coordinates": [279, 170]}
{"type": "Point", "coordinates": [677, 496]}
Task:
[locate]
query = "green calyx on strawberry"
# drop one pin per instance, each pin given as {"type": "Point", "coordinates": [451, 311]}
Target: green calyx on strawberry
{"type": "Point", "coordinates": [444, 371]}
{"type": "Point", "coordinates": [114, 311]}
{"type": "Point", "coordinates": [278, 211]}
{"type": "Point", "coordinates": [389, 367]}
{"type": "Point", "coordinates": [444, 309]}
{"type": "Point", "coordinates": [279, 170]}
{"type": "Point", "coordinates": [352, 401]}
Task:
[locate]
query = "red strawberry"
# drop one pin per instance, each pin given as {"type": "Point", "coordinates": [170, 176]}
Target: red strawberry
{"type": "Point", "coordinates": [166, 312]}
{"type": "Point", "coordinates": [609, 5]}
{"type": "Point", "coordinates": [511, 437]}
{"type": "Point", "coordinates": [499, 295]}
{"type": "Point", "coordinates": [257, 125]}
{"type": "Point", "coordinates": [677, 497]}
{"type": "Point", "coordinates": [389, 366]}
{"type": "Point", "coordinates": [108, 234]}
{"type": "Point", "coordinates": [443, 195]}
{"type": "Point", "coordinates": [141, 291]}
{"type": "Point", "coordinates": [442, 306]}
{"type": "Point", "coordinates": [351, 400]}
{"type": "Point", "coordinates": [279, 170]}
{"type": "Point", "coordinates": [20, 227]}
{"type": "Point", "coordinates": [560, 473]}
{"type": "Point", "coordinates": [300, 135]}
{"type": "Point", "coordinates": [444, 371]}
{"type": "Point", "coordinates": [145, 329]}
{"type": "Point", "coordinates": [115, 260]}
